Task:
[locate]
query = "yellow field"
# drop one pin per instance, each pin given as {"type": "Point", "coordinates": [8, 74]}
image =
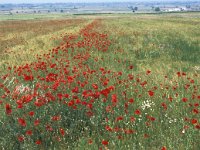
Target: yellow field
{"type": "Point", "coordinates": [21, 40]}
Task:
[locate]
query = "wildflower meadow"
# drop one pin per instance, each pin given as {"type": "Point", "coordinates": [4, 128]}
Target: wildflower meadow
{"type": "Point", "coordinates": [104, 87]}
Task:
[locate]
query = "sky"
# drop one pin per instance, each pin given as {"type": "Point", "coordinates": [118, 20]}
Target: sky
{"type": "Point", "coordinates": [77, 1]}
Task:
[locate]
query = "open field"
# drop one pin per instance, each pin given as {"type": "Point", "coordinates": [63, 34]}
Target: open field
{"type": "Point", "coordinates": [22, 40]}
{"type": "Point", "coordinates": [115, 81]}
{"type": "Point", "coordinates": [4, 17]}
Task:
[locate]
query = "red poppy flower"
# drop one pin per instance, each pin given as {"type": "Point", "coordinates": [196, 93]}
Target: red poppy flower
{"type": "Point", "coordinates": [53, 65]}
{"type": "Point", "coordinates": [130, 77]}
{"type": "Point", "coordinates": [148, 72]}
{"type": "Point", "coordinates": [152, 118]}
{"type": "Point", "coordinates": [62, 131]}
{"type": "Point", "coordinates": [8, 109]}
{"type": "Point", "coordinates": [197, 126]}
{"type": "Point", "coordinates": [114, 98]}
{"type": "Point", "coordinates": [195, 111]}
{"type": "Point", "coordinates": [95, 86]}
{"type": "Point", "coordinates": [183, 73]}
{"type": "Point", "coordinates": [132, 119]}
{"type": "Point", "coordinates": [137, 112]}
{"type": "Point", "coordinates": [49, 128]}
{"type": "Point", "coordinates": [36, 122]}
{"type": "Point", "coordinates": [20, 138]}
{"type": "Point", "coordinates": [56, 118]}
{"type": "Point", "coordinates": [196, 105]}
{"type": "Point", "coordinates": [66, 95]}
{"type": "Point", "coordinates": [77, 101]}
{"type": "Point", "coordinates": [90, 141]}
{"type": "Point", "coordinates": [143, 83]}
{"type": "Point", "coordinates": [146, 135]}
{"type": "Point", "coordinates": [29, 132]}
{"type": "Point", "coordinates": [111, 88]}
{"type": "Point", "coordinates": [22, 122]}
{"type": "Point", "coordinates": [38, 142]}
{"type": "Point", "coordinates": [108, 128]}
{"type": "Point", "coordinates": [31, 113]}
{"type": "Point", "coordinates": [104, 142]}
{"type": "Point", "coordinates": [164, 105]}
{"type": "Point", "coordinates": [28, 78]}
{"type": "Point", "coordinates": [131, 67]}
{"type": "Point", "coordinates": [170, 99]}
{"type": "Point", "coordinates": [179, 74]}
{"type": "Point", "coordinates": [89, 113]}
{"type": "Point", "coordinates": [75, 90]}
{"type": "Point", "coordinates": [60, 95]}
{"type": "Point", "coordinates": [191, 81]}
{"type": "Point", "coordinates": [27, 98]}
{"type": "Point", "coordinates": [120, 73]}
{"type": "Point", "coordinates": [105, 92]}
{"type": "Point", "coordinates": [151, 93]}
{"type": "Point", "coordinates": [163, 148]}
{"type": "Point", "coordinates": [131, 100]}
{"type": "Point", "coordinates": [119, 118]}
{"type": "Point", "coordinates": [194, 121]}
{"type": "Point", "coordinates": [89, 106]}
{"type": "Point", "coordinates": [108, 108]}
{"type": "Point", "coordinates": [71, 103]}
{"type": "Point", "coordinates": [184, 99]}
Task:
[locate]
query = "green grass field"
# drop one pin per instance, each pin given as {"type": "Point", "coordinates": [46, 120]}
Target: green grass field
{"type": "Point", "coordinates": [4, 17]}
{"type": "Point", "coordinates": [112, 81]}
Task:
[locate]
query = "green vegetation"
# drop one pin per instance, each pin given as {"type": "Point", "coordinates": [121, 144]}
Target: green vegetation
{"type": "Point", "coordinates": [157, 9]}
{"type": "Point", "coordinates": [118, 81]}
{"type": "Point", "coordinates": [4, 17]}
{"type": "Point", "coordinates": [158, 42]}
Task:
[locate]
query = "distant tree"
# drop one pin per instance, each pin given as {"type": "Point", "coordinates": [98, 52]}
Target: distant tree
{"type": "Point", "coordinates": [188, 6]}
{"type": "Point", "coordinates": [130, 7]}
{"type": "Point", "coordinates": [49, 11]}
{"type": "Point", "coordinates": [136, 8]}
{"type": "Point", "coordinates": [61, 11]}
{"type": "Point", "coordinates": [34, 11]}
{"type": "Point", "coordinates": [133, 8]}
{"type": "Point", "coordinates": [157, 9]}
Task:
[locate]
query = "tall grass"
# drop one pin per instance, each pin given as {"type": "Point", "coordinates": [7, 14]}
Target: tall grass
{"type": "Point", "coordinates": [106, 88]}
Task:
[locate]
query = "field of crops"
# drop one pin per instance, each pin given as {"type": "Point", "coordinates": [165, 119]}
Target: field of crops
{"type": "Point", "coordinates": [101, 82]}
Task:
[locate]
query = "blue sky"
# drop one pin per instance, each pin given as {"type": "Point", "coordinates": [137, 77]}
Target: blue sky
{"type": "Point", "coordinates": [75, 1]}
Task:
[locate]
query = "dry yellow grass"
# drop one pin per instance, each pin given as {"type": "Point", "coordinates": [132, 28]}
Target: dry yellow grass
{"type": "Point", "coordinates": [21, 41]}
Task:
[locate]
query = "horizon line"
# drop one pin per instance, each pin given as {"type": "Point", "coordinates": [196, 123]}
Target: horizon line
{"type": "Point", "coordinates": [165, 1]}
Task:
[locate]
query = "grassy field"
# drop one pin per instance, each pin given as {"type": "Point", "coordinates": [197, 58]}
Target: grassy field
{"type": "Point", "coordinates": [21, 41]}
{"type": "Point", "coordinates": [159, 42]}
{"type": "Point", "coordinates": [121, 81]}
{"type": "Point", "coordinates": [4, 17]}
